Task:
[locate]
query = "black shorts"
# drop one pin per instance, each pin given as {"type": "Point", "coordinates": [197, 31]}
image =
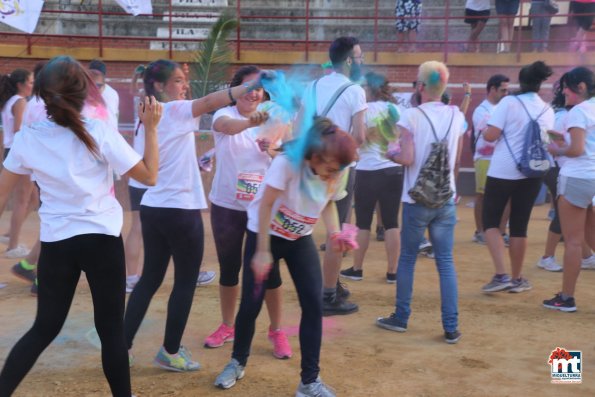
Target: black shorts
{"type": "Point", "coordinates": [583, 21]}
{"type": "Point", "coordinates": [136, 195]}
{"type": "Point", "coordinates": [476, 16]}
{"type": "Point", "coordinates": [507, 7]}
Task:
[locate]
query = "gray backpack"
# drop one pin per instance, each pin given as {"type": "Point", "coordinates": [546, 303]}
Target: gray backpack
{"type": "Point", "coordinates": [432, 186]}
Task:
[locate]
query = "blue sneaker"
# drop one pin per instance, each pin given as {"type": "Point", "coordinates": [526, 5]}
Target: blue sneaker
{"type": "Point", "coordinates": [392, 323]}
{"type": "Point", "coordinates": [179, 362]}
{"type": "Point", "coordinates": [314, 389]}
{"type": "Point", "coordinates": [232, 372]}
{"type": "Point", "coordinates": [500, 282]}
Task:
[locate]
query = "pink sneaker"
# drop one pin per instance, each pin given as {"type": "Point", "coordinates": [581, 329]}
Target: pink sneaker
{"type": "Point", "coordinates": [281, 346]}
{"type": "Point", "coordinates": [220, 336]}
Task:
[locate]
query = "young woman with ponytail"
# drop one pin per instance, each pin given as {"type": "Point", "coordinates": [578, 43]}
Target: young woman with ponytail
{"type": "Point", "coordinates": [170, 211]}
{"type": "Point", "coordinates": [72, 159]}
{"type": "Point", "coordinates": [14, 90]}
{"type": "Point", "coordinates": [297, 189]}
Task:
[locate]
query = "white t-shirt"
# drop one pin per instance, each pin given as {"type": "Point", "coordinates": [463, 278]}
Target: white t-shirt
{"type": "Point", "coordinates": [179, 184]}
{"type": "Point", "coordinates": [416, 122]}
{"type": "Point", "coordinates": [112, 102]}
{"type": "Point", "coordinates": [371, 155]}
{"type": "Point", "coordinates": [304, 195]}
{"type": "Point", "coordinates": [510, 117]}
{"type": "Point", "coordinates": [34, 111]}
{"type": "Point", "coordinates": [477, 5]}
{"type": "Point", "coordinates": [8, 121]}
{"type": "Point", "coordinates": [351, 101]}
{"type": "Point", "coordinates": [481, 115]}
{"type": "Point", "coordinates": [583, 166]}
{"type": "Point", "coordinates": [241, 165]}
{"type": "Point", "coordinates": [77, 188]}
{"type": "Point", "coordinates": [560, 126]}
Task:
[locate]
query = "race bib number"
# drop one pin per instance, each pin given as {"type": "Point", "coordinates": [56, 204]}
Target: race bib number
{"type": "Point", "coordinates": [291, 225]}
{"type": "Point", "coordinates": [248, 185]}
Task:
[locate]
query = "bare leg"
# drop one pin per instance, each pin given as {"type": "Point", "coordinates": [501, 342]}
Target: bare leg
{"type": "Point", "coordinates": [331, 266]}
{"type": "Point", "coordinates": [274, 300]}
{"type": "Point", "coordinates": [516, 251]}
{"type": "Point", "coordinates": [573, 222]}
{"type": "Point", "coordinates": [23, 192]}
{"type": "Point", "coordinates": [133, 246]}
{"type": "Point", "coordinates": [228, 297]}
{"type": "Point", "coordinates": [551, 243]}
{"type": "Point", "coordinates": [392, 244]}
{"type": "Point", "coordinates": [505, 217]}
{"type": "Point", "coordinates": [477, 211]}
{"type": "Point", "coordinates": [496, 247]}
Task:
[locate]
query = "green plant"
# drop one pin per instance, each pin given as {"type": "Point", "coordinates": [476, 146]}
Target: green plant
{"type": "Point", "coordinates": [211, 63]}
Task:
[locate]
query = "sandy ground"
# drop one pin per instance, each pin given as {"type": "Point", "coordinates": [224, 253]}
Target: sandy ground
{"type": "Point", "coordinates": [507, 338]}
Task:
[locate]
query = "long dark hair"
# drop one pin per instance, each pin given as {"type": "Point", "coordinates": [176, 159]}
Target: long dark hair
{"type": "Point", "coordinates": [158, 71]}
{"type": "Point", "coordinates": [64, 85]}
{"type": "Point", "coordinates": [531, 76]}
{"type": "Point", "coordinates": [240, 74]}
{"type": "Point", "coordinates": [578, 75]}
{"type": "Point", "coordinates": [8, 84]}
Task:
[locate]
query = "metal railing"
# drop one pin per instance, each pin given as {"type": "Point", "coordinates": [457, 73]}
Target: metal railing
{"type": "Point", "coordinates": [445, 45]}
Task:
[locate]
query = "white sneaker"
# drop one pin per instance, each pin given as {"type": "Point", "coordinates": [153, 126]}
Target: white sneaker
{"type": "Point", "coordinates": [588, 263]}
{"type": "Point", "coordinates": [206, 277]}
{"type": "Point", "coordinates": [20, 251]}
{"type": "Point", "coordinates": [549, 264]}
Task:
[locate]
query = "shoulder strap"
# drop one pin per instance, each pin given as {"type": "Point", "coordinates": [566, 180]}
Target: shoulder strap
{"type": "Point", "coordinates": [314, 96]}
{"type": "Point", "coordinates": [545, 109]}
{"type": "Point", "coordinates": [334, 98]}
{"type": "Point", "coordinates": [432, 125]}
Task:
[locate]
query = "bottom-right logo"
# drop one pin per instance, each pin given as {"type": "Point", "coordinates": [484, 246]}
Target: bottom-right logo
{"type": "Point", "coordinates": [566, 365]}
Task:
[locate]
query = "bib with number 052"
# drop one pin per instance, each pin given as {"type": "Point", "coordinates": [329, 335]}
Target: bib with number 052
{"type": "Point", "coordinates": [290, 224]}
{"type": "Point", "coordinates": [248, 184]}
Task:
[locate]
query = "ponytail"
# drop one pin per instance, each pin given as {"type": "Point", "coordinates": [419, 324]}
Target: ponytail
{"type": "Point", "coordinates": [64, 86]}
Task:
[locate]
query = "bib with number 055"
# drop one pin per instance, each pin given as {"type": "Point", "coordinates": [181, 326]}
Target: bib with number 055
{"type": "Point", "coordinates": [291, 225]}
{"type": "Point", "coordinates": [248, 184]}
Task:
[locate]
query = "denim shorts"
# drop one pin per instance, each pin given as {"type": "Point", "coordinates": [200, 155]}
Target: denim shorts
{"type": "Point", "coordinates": [507, 7]}
{"type": "Point", "coordinates": [577, 191]}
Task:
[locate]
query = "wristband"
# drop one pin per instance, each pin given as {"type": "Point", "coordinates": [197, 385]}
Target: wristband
{"type": "Point", "coordinates": [229, 95]}
{"type": "Point", "coordinates": [467, 94]}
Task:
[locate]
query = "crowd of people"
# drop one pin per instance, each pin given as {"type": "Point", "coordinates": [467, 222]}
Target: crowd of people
{"type": "Point", "coordinates": [348, 142]}
{"type": "Point", "coordinates": [477, 13]}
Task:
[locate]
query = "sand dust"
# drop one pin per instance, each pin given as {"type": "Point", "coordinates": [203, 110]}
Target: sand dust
{"type": "Point", "coordinates": [506, 342]}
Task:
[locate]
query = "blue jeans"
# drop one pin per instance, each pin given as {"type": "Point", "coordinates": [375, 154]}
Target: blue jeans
{"type": "Point", "coordinates": [441, 223]}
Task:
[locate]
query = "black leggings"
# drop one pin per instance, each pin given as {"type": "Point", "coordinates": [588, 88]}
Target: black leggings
{"type": "Point", "coordinates": [344, 205]}
{"type": "Point", "coordinates": [383, 186]}
{"type": "Point", "coordinates": [522, 194]}
{"type": "Point", "coordinates": [303, 264]}
{"type": "Point", "coordinates": [101, 257]}
{"type": "Point", "coordinates": [551, 181]}
{"type": "Point", "coordinates": [229, 228]}
{"type": "Point", "coordinates": [167, 232]}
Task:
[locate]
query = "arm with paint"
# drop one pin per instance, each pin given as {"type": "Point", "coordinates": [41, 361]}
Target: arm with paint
{"type": "Point", "coordinates": [574, 149]}
{"type": "Point", "coordinates": [231, 126]}
{"type": "Point", "coordinates": [145, 171]}
{"type": "Point", "coordinates": [405, 154]}
{"type": "Point", "coordinates": [218, 99]}
{"type": "Point", "coordinates": [262, 260]}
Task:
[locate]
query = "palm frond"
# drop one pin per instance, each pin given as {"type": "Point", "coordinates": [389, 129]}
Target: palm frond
{"type": "Point", "coordinates": [211, 61]}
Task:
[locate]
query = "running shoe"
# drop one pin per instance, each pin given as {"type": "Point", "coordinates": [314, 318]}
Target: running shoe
{"type": "Point", "coordinates": [206, 277]}
{"type": "Point", "coordinates": [424, 246]}
{"type": "Point", "coordinates": [500, 282]}
{"type": "Point", "coordinates": [588, 263]}
{"type": "Point", "coordinates": [281, 346]}
{"type": "Point", "coordinates": [342, 291]}
{"type": "Point", "coordinates": [557, 303]}
{"type": "Point", "coordinates": [28, 275]}
{"type": "Point", "coordinates": [392, 323]}
{"type": "Point", "coordinates": [179, 362]}
{"type": "Point", "coordinates": [352, 274]}
{"type": "Point", "coordinates": [379, 233]}
{"type": "Point", "coordinates": [223, 334]}
{"type": "Point", "coordinates": [549, 264]}
{"type": "Point", "coordinates": [20, 251]}
{"type": "Point", "coordinates": [391, 278]}
{"type": "Point", "coordinates": [315, 389]}
{"type": "Point", "coordinates": [479, 238]}
{"type": "Point", "coordinates": [452, 337]}
{"type": "Point", "coordinates": [519, 285]}
{"type": "Point", "coordinates": [232, 372]}
{"type": "Point", "coordinates": [333, 306]}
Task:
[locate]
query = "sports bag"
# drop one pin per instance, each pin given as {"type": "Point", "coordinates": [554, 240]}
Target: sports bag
{"type": "Point", "coordinates": [432, 186]}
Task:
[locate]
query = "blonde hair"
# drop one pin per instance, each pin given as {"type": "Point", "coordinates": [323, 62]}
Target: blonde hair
{"type": "Point", "coordinates": [434, 75]}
